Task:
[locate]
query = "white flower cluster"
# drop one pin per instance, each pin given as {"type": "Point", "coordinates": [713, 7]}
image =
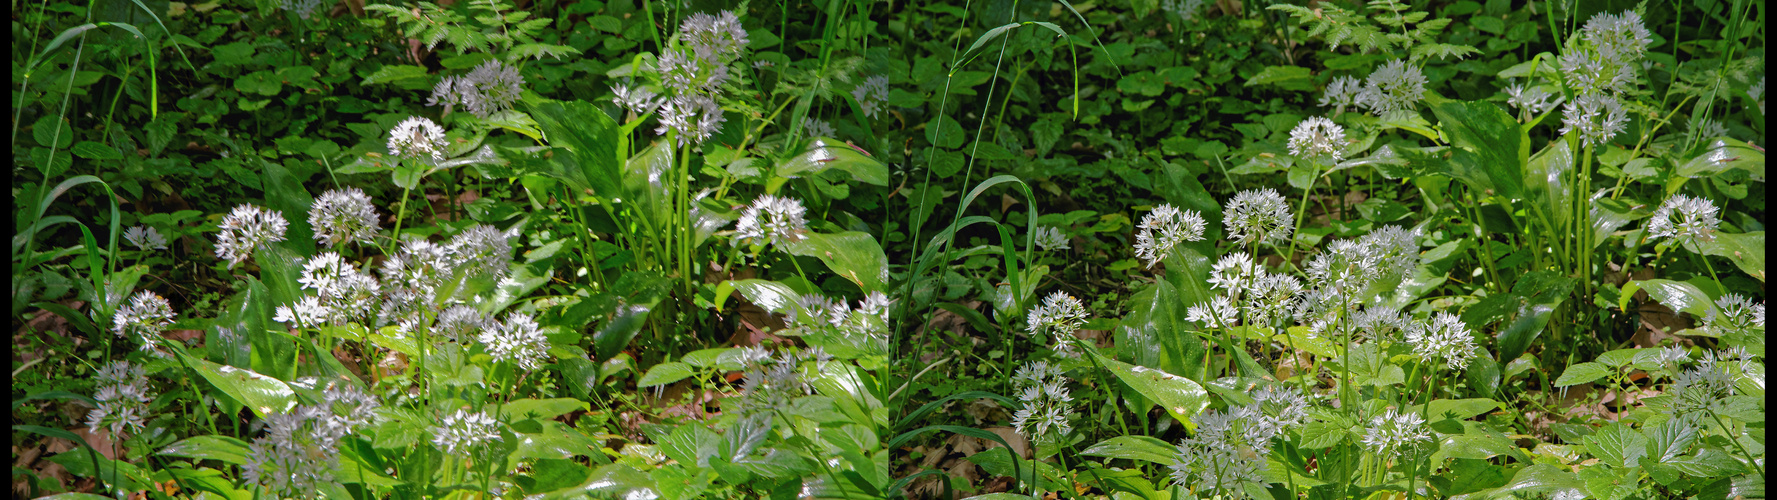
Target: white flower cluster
{"type": "Point", "coordinates": [1734, 314]}
{"type": "Point", "coordinates": [1042, 388]}
{"type": "Point", "coordinates": [414, 277]}
{"type": "Point", "coordinates": [465, 432]}
{"type": "Point", "coordinates": [1706, 387]}
{"type": "Point", "coordinates": [245, 229]}
{"type": "Point", "coordinates": [518, 340]}
{"type": "Point", "coordinates": [1443, 337]}
{"type": "Point", "coordinates": [341, 216]}
{"type": "Point", "coordinates": [145, 238]}
{"type": "Point", "coordinates": [1599, 71]}
{"type": "Point", "coordinates": [1318, 139]}
{"type": "Point", "coordinates": [1394, 433]}
{"type": "Point", "coordinates": [771, 220]}
{"type": "Point", "coordinates": [1051, 238]}
{"type": "Point", "coordinates": [693, 73]}
{"type": "Point", "coordinates": [1393, 89]}
{"type": "Point", "coordinates": [1685, 219]}
{"type": "Point", "coordinates": [1230, 448]}
{"type": "Point", "coordinates": [872, 95]}
{"type": "Point", "coordinates": [635, 98]}
{"type": "Point", "coordinates": [417, 138]}
{"type": "Point", "coordinates": [1165, 228]}
{"type": "Point", "coordinates": [1058, 317]}
{"type": "Point", "coordinates": [342, 294]}
{"type": "Point", "coordinates": [300, 449]}
{"type": "Point", "coordinates": [489, 88]}
{"type": "Point", "coordinates": [142, 319]}
{"type": "Point", "coordinates": [122, 399]}
{"type": "Point", "coordinates": [771, 383]}
{"type": "Point", "coordinates": [1533, 99]}
{"type": "Point", "coordinates": [1596, 117]}
{"type": "Point", "coordinates": [1258, 216]}
{"type": "Point", "coordinates": [694, 116]}
{"type": "Point", "coordinates": [815, 127]}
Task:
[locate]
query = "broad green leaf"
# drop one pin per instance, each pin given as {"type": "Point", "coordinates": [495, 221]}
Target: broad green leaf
{"type": "Point", "coordinates": [96, 151]}
{"type": "Point", "coordinates": [555, 441]}
{"type": "Point", "coordinates": [220, 448]}
{"type": "Point", "coordinates": [1134, 448]}
{"type": "Point", "coordinates": [1606, 483]}
{"type": "Point", "coordinates": [259, 82]}
{"type": "Point", "coordinates": [1678, 295]}
{"type": "Point", "coordinates": [591, 137]}
{"type": "Point", "coordinates": [855, 256]}
{"type": "Point", "coordinates": [1709, 462]}
{"type": "Point", "coordinates": [1287, 77]}
{"type": "Point", "coordinates": [1542, 478]}
{"type": "Point", "coordinates": [1617, 445]}
{"type": "Point", "coordinates": [265, 395]}
{"type": "Point", "coordinates": [1746, 250]}
{"type": "Point", "coordinates": [1548, 189]}
{"type": "Point", "coordinates": [615, 480]}
{"type": "Point", "coordinates": [52, 132]}
{"type": "Point", "coordinates": [543, 409]}
{"type": "Point", "coordinates": [768, 295]}
{"type": "Point", "coordinates": [1582, 373]}
{"type": "Point", "coordinates": [944, 132]}
{"type": "Point", "coordinates": [1723, 155]}
{"type": "Point", "coordinates": [1179, 396]}
{"type": "Point", "coordinates": [825, 153]}
{"type": "Point", "coordinates": [1486, 141]}
{"type": "Point", "coordinates": [665, 373]}
{"type": "Point", "coordinates": [404, 75]}
{"type": "Point", "coordinates": [618, 331]}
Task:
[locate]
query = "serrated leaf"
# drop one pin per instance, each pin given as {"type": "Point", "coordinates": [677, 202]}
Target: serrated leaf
{"type": "Point", "coordinates": [1617, 445]}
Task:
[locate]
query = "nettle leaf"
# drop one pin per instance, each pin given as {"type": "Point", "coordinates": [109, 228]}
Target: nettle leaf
{"type": "Point", "coordinates": [1582, 373]}
{"type": "Point", "coordinates": [1617, 445]}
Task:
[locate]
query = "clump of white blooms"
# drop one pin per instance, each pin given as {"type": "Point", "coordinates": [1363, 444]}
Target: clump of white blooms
{"type": "Point", "coordinates": [720, 35]}
{"type": "Point", "coordinates": [1227, 453]}
{"type": "Point", "coordinates": [1258, 216]}
{"type": "Point", "coordinates": [769, 383]}
{"type": "Point", "coordinates": [1318, 138]}
{"type": "Point", "coordinates": [1234, 272]}
{"type": "Point", "coordinates": [342, 293]}
{"type": "Point", "coordinates": [483, 250]}
{"type": "Point", "coordinates": [1707, 386]}
{"type": "Point", "coordinates": [461, 322]}
{"type": "Point", "coordinates": [465, 432]}
{"type": "Point", "coordinates": [1058, 317]}
{"type": "Point", "coordinates": [1395, 250]}
{"type": "Point", "coordinates": [1605, 63]}
{"type": "Point", "coordinates": [1685, 220]}
{"type": "Point", "coordinates": [1393, 89]}
{"type": "Point", "coordinates": [872, 95]}
{"type": "Point", "coordinates": [1588, 73]}
{"type": "Point", "coordinates": [122, 398]}
{"type": "Point", "coordinates": [1184, 9]}
{"type": "Point", "coordinates": [1533, 99]}
{"type": "Point", "coordinates": [1042, 388]}
{"type": "Point", "coordinates": [1051, 238]}
{"type": "Point", "coordinates": [1674, 355]}
{"type": "Point", "coordinates": [1708, 129]}
{"type": "Point", "coordinates": [302, 8]}
{"type": "Point", "coordinates": [1757, 93]}
{"type": "Point", "coordinates": [1219, 312]}
{"type": "Point", "coordinates": [490, 88]}
{"type": "Point", "coordinates": [1270, 298]}
{"type": "Point", "coordinates": [415, 275]}
{"type": "Point", "coordinates": [142, 319]}
{"type": "Point", "coordinates": [1617, 36]}
{"type": "Point", "coordinates": [1734, 313]}
{"type": "Point", "coordinates": [343, 215]}
{"type": "Point", "coordinates": [1444, 337]}
{"type": "Point", "coordinates": [1393, 433]}
{"type": "Point", "coordinates": [416, 138]}
{"type": "Point", "coordinates": [145, 238]}
{"type": "Point", "coordinates": [1342, 92]}
{"type": "Point", "coordinates": [1281, 408]}
{"type": "Point", "coordinates": [517, 340]}
{"type": "Point", "coordinates": [245, 229]}
{"type": "Point", "coordinates": [815, 127]}
{"type": "Point", "coordinates": [1164, 228]}
{"type": "Point", "coordinates": [300, 450]}
{"type": "Point", "coordinates": [635, 99]}
{"type": "Point", "coordinates": [771, 220]}
{"type": "Point", "coordinates": [1596, 117]}
{"type": "Point", "coordinates": [693, 117]}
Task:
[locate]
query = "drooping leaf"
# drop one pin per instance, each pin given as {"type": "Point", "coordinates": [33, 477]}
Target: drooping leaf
{"type": "Point", "coordinates": [855, 256]}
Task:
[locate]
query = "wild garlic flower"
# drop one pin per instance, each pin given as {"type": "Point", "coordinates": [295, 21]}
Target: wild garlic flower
{"type": "Point", "coordinates": [876, 304]}
{"type": "Point", "coordinates": [343, 215]}
{"type": "Point", "coordinates": [1271, 298]}
{"type": "Point", "coordinates": [411, 278]}
{"type": "Point", "coordinates": [145, 238]}
{"type": "Point", "coordinates": [465, 432]}
{"type": "Point", "coordinates": [518, 340]}
{"type": "Point", "coordinates": [490, 88]}
{"type": "Point", "coordinates": [1533, 99]}
{"type": "Point", "coordinates": [1235, 272]}
{"type": "Point", "coordinates": [1378, 323]}
{"type": "Point", "coordinates": [1588, 73]}
{"type": "Point", "coordinates": [307, 312]}
{"type": "Point", "coordinates": [1347, 266]}
{"type": "Point", "coordinates": [872, 95]}
{"type": "Point", "coordinates": [482, 250]}
{"type": "Point", "coordinates": [416, 138]}
{"type": "Point", "coordinates": [1734, 313]}
{"type": "Point", "coordinates": [299, 452]}
{"type": "Point", "coordinates": [1597, 118]}
{"type": "Point", "coordinates": [1058, 317]}
{"type": "Point", "coordinates": [1685, 219]}
{"type": "Point", "coordinates": [1708, 129]}
{"type": "Point", "coordinates": [1050, 238]}
{"type": "Point", "coordinates": [1395, 88]}
{"type": "Point", "coordinates": [461, 322]}
{"type": "Point", "coordinates": [1757, 93]}
{"type": "Point", "coordinates": [1444, 337]}
{"type": "Point", "coordinates": [1395, 432]}
{"type": "Point", "coordinates": [693, 117]}
{"type": "Point", "coordinates": [1258, 216]}
{"type": "Point", "coordinates": [769, 383]}
{"type": "Point", "coordinates": [345, 405]}
{"type": "Point", "coordinates": [1228, 452]}
{"type": "Point", "coordinates": [1342, 92]}
{"type": "Point", "coordinates": [343, 291]}
{"type": "Point", "coordinates": [302, 8]}
{"type": "Point", "coordinates": [1164, 228]}
{"type": "Point", "coordinates": [122, 401]}
{"type": "Point", "coordinates": [245, 229]}
{"type": "Point", "coordinates": [1702, 388]}
{"type": "Point", "coordinates": [1617, 36]}
{"type": "Point", "coordinates": [1185, 9]}
{"type": "Point", "coordinates": [1319, 139]}
{"type": "Point", "coordinates": [449, 92]}
{"type": "Point", "coordinates": [1394, 249]}
{"type": "Point", "coordinates": [1675, 355]}
{"type": "Point", "coordinates": [1281, 408]}
{"type": "Point", "coordinates": [636, 99]}
{"type": "Point", "coordinates": [1042, 388]}
{"type": "Point", "coordinates": [695, 73]}
{"type": "Point", "coordinates": [143, 318]}
{"type": "Point", "coordinates": [720, 34]}
{"type": "Point", "coordinates": [815, 127]}
{"type": "Point", "coordinates": [1219, 312]}
{"type": "Point", "coordinates": [771, 220]}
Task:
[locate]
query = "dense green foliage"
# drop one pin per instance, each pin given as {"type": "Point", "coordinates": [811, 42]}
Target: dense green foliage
{"type": "Point", "coordinates": [842, 249]}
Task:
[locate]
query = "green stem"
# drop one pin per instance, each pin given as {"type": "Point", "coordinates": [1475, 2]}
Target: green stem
{"type": "Point", "coordinates": [1736, 441]}
{"type": "Point", "coordinates": [1424, 415]}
